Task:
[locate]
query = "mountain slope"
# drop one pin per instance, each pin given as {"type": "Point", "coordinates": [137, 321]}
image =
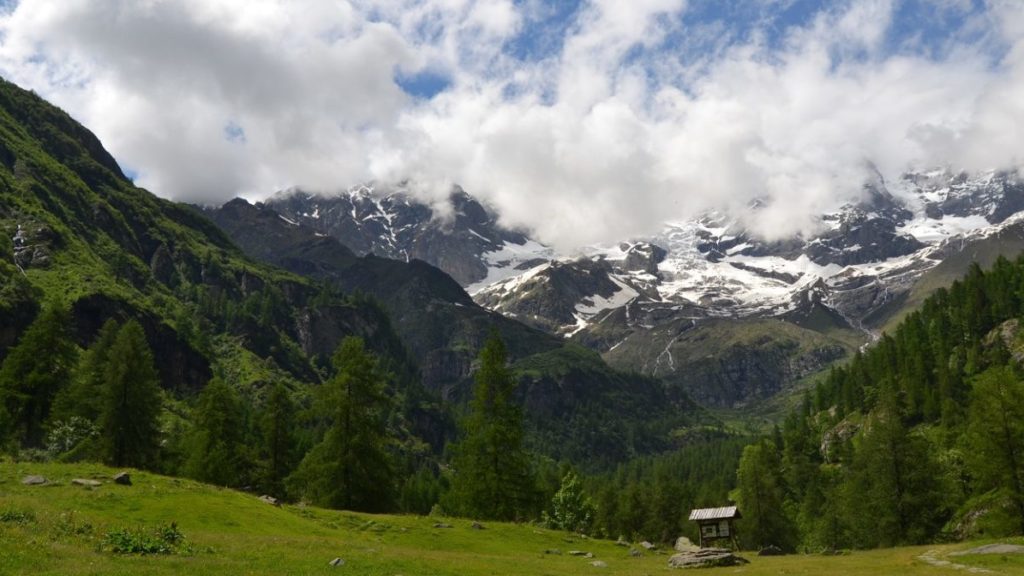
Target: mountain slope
{"type": "Point", "coordinates": [84, 237]}
{"type": "Point", "coordinates": [577, 407]}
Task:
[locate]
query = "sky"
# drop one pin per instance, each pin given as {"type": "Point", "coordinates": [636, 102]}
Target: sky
{"type": "Point", "coordinates": [583, 121]}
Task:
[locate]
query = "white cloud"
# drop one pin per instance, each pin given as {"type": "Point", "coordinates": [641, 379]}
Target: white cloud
{"type": "Point", "coordinates": [625, 125]}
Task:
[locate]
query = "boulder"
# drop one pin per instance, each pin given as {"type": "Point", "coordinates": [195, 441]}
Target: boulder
{"type": "Point", "coordinates": [476, 526]}
{"type": "Point", "coordinates": [647, 545]}
{"type": "Point", "coordinates": [705, 558]}
{"type": "Point", "coordinates": [336, 562]}
{"type": "Point", "coordinates": [580, 553]}
{"type": "Point", "coordinates": [683, 544]}
{"type": "Point", "coordinates": [635, 553]}
{"type": "Point", "coordinates": [770, 550]}
{"type": "Point", "coordinates": [442, 525]}
{"type": "Point", "coordinates": [599, 564]}
{"type": "Point", "coordinates": [270, 500]}
{"type": "Point", "coordinates": [34, 480]}
{"type": "Point", "coordinates": [87, 483]}
{"type": "Point", "coordinates": [123, 478]}
{"type": "Point", "coordinates": [621, 542]}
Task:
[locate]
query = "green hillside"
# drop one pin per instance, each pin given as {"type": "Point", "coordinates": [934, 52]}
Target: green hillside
{"type": "Point", "coordinates": [64, 529]}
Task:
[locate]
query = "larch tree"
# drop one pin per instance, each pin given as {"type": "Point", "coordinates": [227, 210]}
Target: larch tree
{"type": "Point", "coordinates": [493, 477]}
{"type": "Point", "coordinates": [996, 433]}
{"type": "Point", "coordinates": [351, 467]}
{"type": "Point", "coordinates": [33, 373]}
{"type": "Point", "coordinates": [217, 445]}
{"type": "Point", "coordinates": [277, 430]}
{"type": "Point", "coordinates": [129, 421]}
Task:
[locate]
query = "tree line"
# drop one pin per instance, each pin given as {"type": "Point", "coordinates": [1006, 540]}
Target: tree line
{"type": "Point", "coordinates": [918, 438]}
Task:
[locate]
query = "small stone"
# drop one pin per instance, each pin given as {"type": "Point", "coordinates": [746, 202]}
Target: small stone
{"type": "Point", "coordinates": [442, 525]}
{"type": "Point", "coordinates": [123, 478]}
{"type": "Point", "coordinates": [34, 480]}
{"type": "Point", "coordinates": [337, 562]}
{"type": "Point", "coordinates": [270, 500]}
{"type": "Point", "coordinates": [578, 553]}
{"type": "Point", "coordinates": [770, 550]}
{"type": "Point", "coordinates": [621, 542]}
{"type": "Point", "coordinates": [647, 545]}
{"type": "Point", "coordinates": [87, 483]}
{"type": "Point", "coordinates": [476, 526]}
{"type": "Point", "coordinates": [635, 553]}
{"type": "Point", "coordinates": [599, 564]}
{"type": "Point", "coordinates": [554, 551]}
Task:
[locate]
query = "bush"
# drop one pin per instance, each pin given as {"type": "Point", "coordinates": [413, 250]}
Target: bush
{"type": "Point", "coordinates": [166, 539]}
{"type": "Point", "coordinates": [17, 517]}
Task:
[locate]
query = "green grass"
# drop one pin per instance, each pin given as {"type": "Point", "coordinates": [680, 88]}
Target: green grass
{"type": "Point", "coordinates": [58, 529]}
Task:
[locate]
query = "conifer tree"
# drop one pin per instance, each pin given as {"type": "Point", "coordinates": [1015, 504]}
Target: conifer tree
{"type": "Point", "coordinates": [996, 433]}
{"type": "Point", "coordinates": [217, 445]}
{"type": "Point", "coordinates": [762, 494]}
{"type": "Point", "coordinates": [277, 429]}
{"type": "Point", "coordinates": [493, 477]}
{"type": "Point", "coordinates": [34, 372]}
{"type": "Point", "coordinates": [351, 468]}
{"type": "Point", "coordinates": [129, 422]}
{"type": "Point", "coordinates": [896, 493]}
{"type": "Point", "coordinates": [83, 397]}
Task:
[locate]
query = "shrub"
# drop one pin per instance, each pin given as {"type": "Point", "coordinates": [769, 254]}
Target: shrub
{"type": "Point", "coordinates": [166, 539]}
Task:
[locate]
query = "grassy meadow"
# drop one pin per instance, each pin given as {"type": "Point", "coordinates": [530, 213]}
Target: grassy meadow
{"type": "Point", "coordinates": [62, 528]}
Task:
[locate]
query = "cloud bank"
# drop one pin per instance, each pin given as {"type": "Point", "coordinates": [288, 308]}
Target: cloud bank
{"type": "Point", "coordinates": [585, 122]}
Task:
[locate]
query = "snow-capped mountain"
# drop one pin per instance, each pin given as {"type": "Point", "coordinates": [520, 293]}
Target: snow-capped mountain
{"type": "Point", "coordinates": [864, 255]}
{"type": "Point", "coordinates": [465, 241]}
{"type": "Point", "coordinates": [703, 304]}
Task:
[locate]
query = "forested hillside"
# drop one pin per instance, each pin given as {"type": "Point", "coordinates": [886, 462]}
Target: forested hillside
{"type": "Point", "coordinates": [918, 438]}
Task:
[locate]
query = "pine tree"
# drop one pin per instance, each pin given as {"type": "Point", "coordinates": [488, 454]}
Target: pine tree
{"type": "Point", "coordinates": [896, 495]}
{"type": "Point", "coordinates": [84, 396]}
{"type": "Point", "coordinates": [217, 445]}
{"type": "Point", "coordinates": [493, 478]}
{"type": "Point", "coordinates": [762, 494]}
{"type": "Point", "coordinates": [277, 428]}
{"type": "Point", "coordinates": [351, 468]}
{"type": "Point", "coordinates": [129, 422]}
{"type": "Point", "coordinates": [34, 372]}
{"type": "Point", "coordinates": [996, 433]}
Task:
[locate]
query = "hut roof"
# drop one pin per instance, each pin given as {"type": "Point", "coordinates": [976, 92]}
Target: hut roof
{"type": "Point", "coordinates": [723, 513]}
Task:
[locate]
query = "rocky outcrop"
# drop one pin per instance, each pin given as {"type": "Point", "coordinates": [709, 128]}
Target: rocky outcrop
{"type": "Point", "coordinates": [706, 558]}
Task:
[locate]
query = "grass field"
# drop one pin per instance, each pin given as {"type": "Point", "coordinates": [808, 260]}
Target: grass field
{"type": "Point", "coordinates": [59, 529]}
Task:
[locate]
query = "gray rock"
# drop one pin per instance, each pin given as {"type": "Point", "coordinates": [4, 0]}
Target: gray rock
{"type": "Point", "coordinates": [621, 542]}
{"type": "Point", "coordinates": [705, 558]}
{"type": "Point", "coordinates": [553, 551]}
{"type": "Point", "coordinates": [599, 564]}
{"type": "Point", "coordinates": [34, 480]}
{"type": "Point", "coordinates": [123, 478]}
{"type": "Point", "coordinates": [647, 545]}
{"type": "Point", "coordinates": [635, 553]}
{"type": "Point", "coordinates": [683, 544]}
{"type": "Point", "coordinates": [442, 525]}
{"type": "Point", "coordinates": [87, 483]}
{"type": "Point", "coordinates": [580, 553]}
{"type": "Point", "coordinates": [770, 551]}
{"type": "Point", "coordinates": [337, 562]}
{"type": "Point", "coordinates": [476, 526]}
{"type": "Point", "coordinates": [270, 500]}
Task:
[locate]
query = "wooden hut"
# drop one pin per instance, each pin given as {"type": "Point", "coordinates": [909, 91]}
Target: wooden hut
{"type": "Point", "coordinates": [716, 524]}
